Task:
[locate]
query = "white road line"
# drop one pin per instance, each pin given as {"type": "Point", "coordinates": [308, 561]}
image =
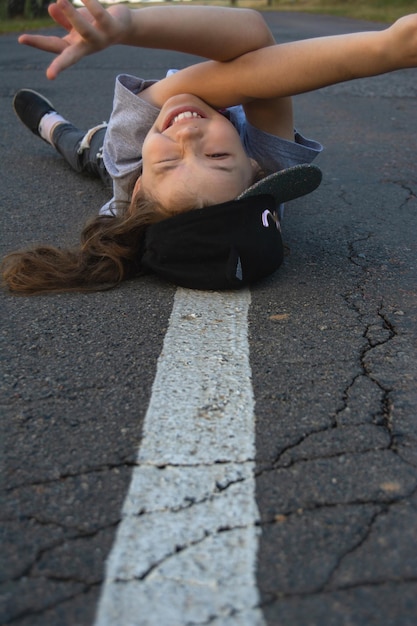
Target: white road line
{"type": "Point", "coordinates": [185, 551]}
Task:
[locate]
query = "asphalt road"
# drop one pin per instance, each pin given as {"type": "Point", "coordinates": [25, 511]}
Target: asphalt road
{"type": "Point", "coordinates": [333, 337]}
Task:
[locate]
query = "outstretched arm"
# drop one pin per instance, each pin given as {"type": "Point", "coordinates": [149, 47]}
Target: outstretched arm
{"type": "Point", "coordinates": [217, 33]}
{"type": "Point", "coordinates": [298, 67]}
{"type": "Point", "coordinates": [264, 79]}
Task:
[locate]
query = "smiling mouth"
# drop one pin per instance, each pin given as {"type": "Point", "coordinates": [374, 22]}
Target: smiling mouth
{"type": "Point", "coordinates": [183, 115]}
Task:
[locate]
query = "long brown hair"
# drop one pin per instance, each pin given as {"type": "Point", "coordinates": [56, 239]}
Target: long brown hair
{"type": "Point", "coordinates": [109, 253]}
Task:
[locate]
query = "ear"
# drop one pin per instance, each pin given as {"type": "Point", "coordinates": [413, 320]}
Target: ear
{"type": "Point", "coordinates": [135, 190]}
{"type": "Point", "coordinates": [256, 169]}
{"type": "Point", "coordinates": [137, 186]}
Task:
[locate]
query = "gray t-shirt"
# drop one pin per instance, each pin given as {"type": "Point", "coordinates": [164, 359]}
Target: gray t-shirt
{"type": "Point", "coordinates": [132, 117]}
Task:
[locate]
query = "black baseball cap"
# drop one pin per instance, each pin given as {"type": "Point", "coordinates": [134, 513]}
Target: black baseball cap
{"type": "Point", "coordinates": [229, 245]}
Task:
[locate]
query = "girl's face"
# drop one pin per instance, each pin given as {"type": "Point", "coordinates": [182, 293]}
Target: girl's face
{"type": "Point", "coordinates": [193, 157]}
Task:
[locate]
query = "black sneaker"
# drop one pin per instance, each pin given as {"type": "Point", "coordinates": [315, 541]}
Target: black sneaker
{"type": "Point", "coordinates": [30, 107]}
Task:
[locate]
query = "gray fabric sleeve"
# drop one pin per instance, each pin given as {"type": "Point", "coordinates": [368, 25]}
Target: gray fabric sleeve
{"type": "Point", "coordinates": [274, 153]}
{"type": "Point", "coordinates": [271, 152]}
{"type": "Point", "coordinates": [129, 123]}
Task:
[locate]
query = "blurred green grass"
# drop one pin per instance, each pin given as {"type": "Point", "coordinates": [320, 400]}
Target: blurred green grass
{"type": "Point", "coordinates": [373, 10]}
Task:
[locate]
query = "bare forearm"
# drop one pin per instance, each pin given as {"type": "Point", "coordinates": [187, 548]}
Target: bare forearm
{"type": "Point", "coordinates": [304, 66]}
{"type": "Point", "coordinates": [217, 33]}
{"type": "Point", "coordinates": [299, 67]}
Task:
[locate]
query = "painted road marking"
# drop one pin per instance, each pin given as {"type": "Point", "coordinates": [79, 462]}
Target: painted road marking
{"type": "Point", "coordinates": [185, 552]}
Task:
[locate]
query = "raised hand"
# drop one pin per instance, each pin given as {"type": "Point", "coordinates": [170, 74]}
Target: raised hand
{"type": "Point", "coordinates": [404, 48]}
{"type": "Point", "coordinates": [90, 29]}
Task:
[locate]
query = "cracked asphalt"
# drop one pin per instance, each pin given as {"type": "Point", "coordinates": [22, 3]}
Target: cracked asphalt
{"type": "Point", "coordinates": [333, 338]}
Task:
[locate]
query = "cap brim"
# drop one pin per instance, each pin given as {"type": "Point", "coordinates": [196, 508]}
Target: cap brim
{"type": "Point", "coordinates": [287, 184]}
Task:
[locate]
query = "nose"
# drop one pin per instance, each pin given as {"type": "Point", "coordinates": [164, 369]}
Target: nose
{"type": "Point", "coordinates": [188, 133]}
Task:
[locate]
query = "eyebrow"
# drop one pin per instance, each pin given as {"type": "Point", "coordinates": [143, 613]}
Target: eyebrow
{"type": "Point", "coordinates": [166, 166]}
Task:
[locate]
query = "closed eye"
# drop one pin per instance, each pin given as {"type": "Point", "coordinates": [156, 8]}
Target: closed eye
{"type": "Point", "coordinates": [218, 155]}
{"type": "Point", "coordinates": [169, 160]}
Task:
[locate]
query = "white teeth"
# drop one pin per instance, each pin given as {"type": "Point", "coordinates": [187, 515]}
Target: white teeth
{"type": "Point", "coordinates": [185, 115]}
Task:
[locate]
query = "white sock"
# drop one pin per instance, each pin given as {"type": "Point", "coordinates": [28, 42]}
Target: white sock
{"type": "Point", "coordinates": [48, 123]}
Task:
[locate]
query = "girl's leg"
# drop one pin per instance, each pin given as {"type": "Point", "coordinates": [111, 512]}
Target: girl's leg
{"type": "Point", "coordinates": [82, 150]}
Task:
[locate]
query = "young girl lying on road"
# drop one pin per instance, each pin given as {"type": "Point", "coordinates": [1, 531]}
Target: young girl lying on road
{"type": "Point", "coordinates": [184, 153]}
